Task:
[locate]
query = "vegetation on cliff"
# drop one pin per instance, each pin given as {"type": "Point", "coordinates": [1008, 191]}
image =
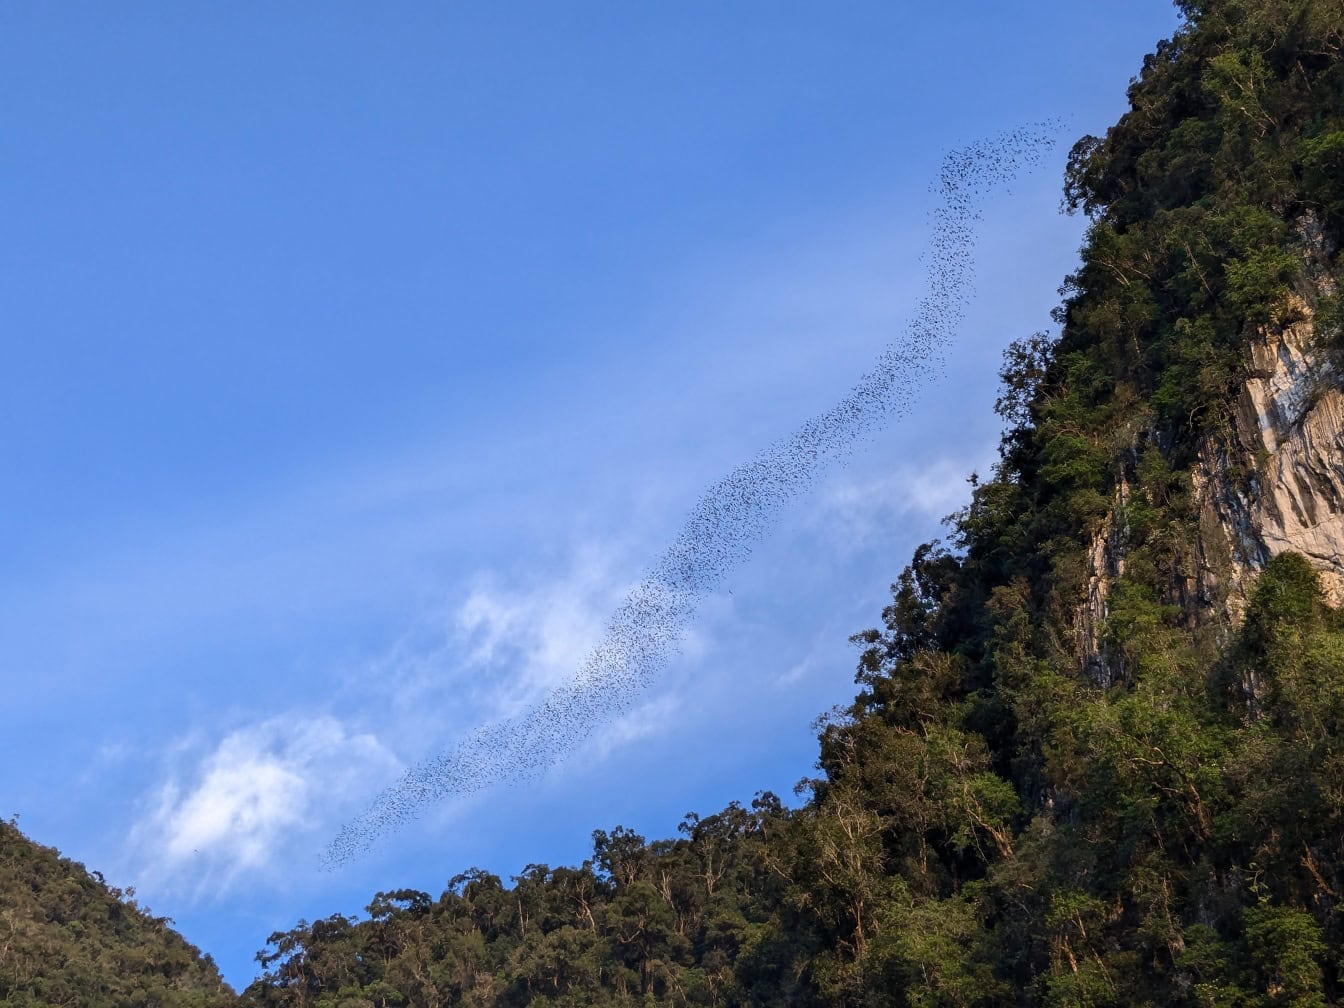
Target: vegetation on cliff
{"type": "Point", "coordinates": [68, 938]}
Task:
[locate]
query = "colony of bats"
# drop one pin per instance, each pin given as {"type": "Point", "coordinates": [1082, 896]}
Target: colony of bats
{"type": "Point", "coordinates": [730, 516]}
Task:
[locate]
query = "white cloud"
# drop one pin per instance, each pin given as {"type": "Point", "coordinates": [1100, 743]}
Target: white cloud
{"type": "Point", "coordinates": [243, 805]}
{"type": "Point", "coordinates": [551, 627]}
{"type": "Point", "coordinates": [646, 721]}
{"type": "Point", "coordinates": [855, 511]}
{"type": "Point", "coordinates": [113, 752]}
{"type": "Point", "coordinates": [506, 645]}
{"type": "Point", "coordinates": [796, 673]}
{"type": "Point", "coordinates": [264, 797]}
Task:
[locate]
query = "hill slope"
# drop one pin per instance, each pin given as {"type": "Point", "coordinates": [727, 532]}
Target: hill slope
{"type": "Point", "coordinates": [67, 938]}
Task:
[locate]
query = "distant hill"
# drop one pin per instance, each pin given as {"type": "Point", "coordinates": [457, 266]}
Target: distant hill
{"type": "Point", "coordinates": [69, 939]}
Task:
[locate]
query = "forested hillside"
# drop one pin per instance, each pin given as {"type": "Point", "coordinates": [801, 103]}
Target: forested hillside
{"type": "Point", "coordinates": [1095, 757]}
{"type": "Point", "coordinates": [67, 938]}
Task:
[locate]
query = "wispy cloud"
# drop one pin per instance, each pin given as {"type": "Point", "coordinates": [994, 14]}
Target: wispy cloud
{"type": "Point", "coordinates": [855, 511]}
{"type": "Point", "coordinates": [242, 806]}
{"type": "Point", "coordinates": [646, 721]}
{"type": "Point", "coordinates": [543, 631]}
{"type": "Point", "coordinates": [498, 647]}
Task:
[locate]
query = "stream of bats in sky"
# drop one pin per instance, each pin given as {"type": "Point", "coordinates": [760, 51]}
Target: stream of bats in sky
{"type": "Point", "coordinates": [731, 515]}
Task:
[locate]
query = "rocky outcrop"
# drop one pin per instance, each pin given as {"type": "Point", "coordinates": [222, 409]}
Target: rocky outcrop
{"type": "Point", "coordinates": [1279, 484]}
{"type": "Point", "coordinates": [1105, 565]}
{"type": "Point", "coordinates": [1276, 484]}
{"type": "Point", "coordinates": [1271, 482]}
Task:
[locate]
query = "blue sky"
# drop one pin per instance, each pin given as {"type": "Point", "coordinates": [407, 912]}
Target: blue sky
{"type": "Point", "coordinates": [357, 359]}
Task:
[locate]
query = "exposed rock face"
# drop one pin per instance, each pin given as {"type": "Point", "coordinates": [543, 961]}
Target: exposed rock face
{"type": "Point", "coordinates": [1105, 563]}
{"type": "Point", "coordinates": [1280, 485]}
{"type": "Point", "coordinates": [1273, 483]}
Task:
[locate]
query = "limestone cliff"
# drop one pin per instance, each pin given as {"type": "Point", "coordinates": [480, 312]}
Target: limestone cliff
{"type": "Point", "coordinates": [1269, 481]}
{"type": "Point", "coordinates": [1278, 484]}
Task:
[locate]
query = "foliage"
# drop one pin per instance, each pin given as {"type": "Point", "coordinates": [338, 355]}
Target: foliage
{"type": "Point", "coordinates": [67, 938]}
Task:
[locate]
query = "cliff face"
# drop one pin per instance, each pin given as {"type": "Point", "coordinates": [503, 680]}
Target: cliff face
{"type": "Point", "coordinates": [1271, 482]}
{"type": "Point", "coordinates": [1288, 438]}
{"type": "Point", "coordinates": [1105, 564]}
{"type": "Point", "coordinates": [1288, 447]}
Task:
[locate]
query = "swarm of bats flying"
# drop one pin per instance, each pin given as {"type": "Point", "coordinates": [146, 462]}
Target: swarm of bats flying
{"type": "Point", "coordinates": [730, 516]}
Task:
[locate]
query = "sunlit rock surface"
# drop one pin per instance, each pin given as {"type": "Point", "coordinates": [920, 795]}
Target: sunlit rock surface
{"type": "Point", "coordinates": [1270, 483]}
